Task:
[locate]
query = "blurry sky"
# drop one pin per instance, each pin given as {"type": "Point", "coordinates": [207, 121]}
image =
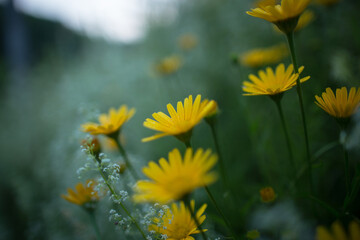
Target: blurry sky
{"type": "Point", "coordinates": [115, 20]}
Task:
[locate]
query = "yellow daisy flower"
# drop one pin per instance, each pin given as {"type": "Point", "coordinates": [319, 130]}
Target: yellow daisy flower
{"type": "Point", "coordinates": [284, 15]}
{"type": "Point", "coordinates": [272, 82]}
{"type": "Point", "coordinates": [181, 122]}
{"type": "Point", "coordinates": [110, 123]}
{"type": "Point", "coordinates": [337, 232]}
{"type": "Point", "coordinates": [169, 65]}
{"type": "Point", "coordinates": [177, 223]}
{"type": "Point", "coordinates": [304, 20]}
{"type": "Point", "coordinates": [174, 179]}
{"type": "Point", "coordinates": [85, 194]}
{"type": "Point", "coordinates": [267, 194]}
{"type": "Point", "coordinates": [273, 12]}
{"type": "Point", "coordinates": [188, 41]}
{"type": "Point", "coordinates": [263, 56]}
{"type": "Point", "coordinates": [342, 105]}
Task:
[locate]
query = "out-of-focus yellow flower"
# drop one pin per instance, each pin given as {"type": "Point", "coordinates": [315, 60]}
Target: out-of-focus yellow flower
{"type": "Point", "coordinates": [92, 144]}
{"type": "Point", "coordinates": [264, 3]}
{"type": "Point", "coordinates": [169, 65]}
{"type": "Point", "coordinates": [264, 56]}
{"type": "Point", "coordinates": [177, 223]}
{"type": "Point", "coordinates": [109, 123]}
{"type": "Point", "coordinates": [267, 194]}
{"type": "Point", "coordinates": [273, 12]}
{"type": "Point", "coordinates": [326, 2]}
{"type": "Point", "coordinates": [304, 20]}
{"type": "Point", "coordinates": [85, 194]}
{"type": "Point", "coordinates": [188, 41]}
{"type": "Point", "coordinates": [272, 83]}
{"type": "Point", "coordinates": [337, 232]}
{"type": "Point", "coordinates": [174, 179]}
{"type": "Point", "coordinates": [341, 105]}
{"type": "Point", "coordinates": [181, 122]}
{"type": "Point", "coordinates": [284, 15]}
{"type": "Point", "coordinates": [253, 234]}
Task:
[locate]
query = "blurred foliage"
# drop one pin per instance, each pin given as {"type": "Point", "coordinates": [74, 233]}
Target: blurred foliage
{"type": "Point", "coordinates": [41, 121]}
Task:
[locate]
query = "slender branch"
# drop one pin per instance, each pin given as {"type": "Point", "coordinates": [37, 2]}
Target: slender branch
{"type": "Point", "coordinates": [286, 133]}
{"type": "Point", "coordinates": [221, 160]}
{"type": "Point", "coordinates": [93, 222]}
{"type": "Point", "coordinates": [226, 221]}
{"type": "Point", "coordinates": [347, 170]}
{"type": "Point", "coordinates": [126, 158]}
{"type": "Point", "coordinates": [111, 189]}
{"type": "Point", "coordinates": [290, 38]}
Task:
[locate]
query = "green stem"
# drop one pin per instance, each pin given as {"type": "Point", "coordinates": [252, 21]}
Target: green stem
{"type": "Point", "coordinates": [316, 156]}
{"type": "Point", "coordinates": [228, 224]}
{"type": "Point", "coordinates": [332, 210]}
{"type": "Point", "coordinates": [347, 171]}
{"type": "Point", "coordinates": [93, 222]}
{"type": "Point", "coordinates": [187, 203]}
{"type": "Point", "coordinates": [288, 143]}
{"type": "Point", "coordinates": [290, 38]}
{"type": "Point", "coordinates": [187, 144]}
{"type": "Point", "coordinates": [120, 203]}
{"type": "Point", "coordinates": [126, 159]}
{"type": "Point", "coordinates": [217, 147]}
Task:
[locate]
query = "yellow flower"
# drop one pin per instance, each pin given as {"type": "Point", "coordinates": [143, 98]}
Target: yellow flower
{"type": "Point", "coordinates": [188, 41]}
{"type": "Point", "coordinates": [272, 83]}
{"type": "Point", "coordinates": [305, 19]}
{"type": "Point", "coordinates": [169, 65]}
{"type": "Point", "coordinates": [109, 123]}
{"type": "Point", "coordinates": [338, 233]}
{"type": "Point", "coordinates": [253, 234]}
{"type": "Point", "coordinates": [174, 179]}
{"type": "Point", "coordinates": [267, 194]}
{"type": "Point", "coordinates": [327, 2]}
{"type": "Point", "coordinates": [264, 3]}
{"type": "Point", "coordinates": [273, 12]}
{"type": "Point", "coordinates": [85, 194]}
{"type": "Point", "coordinates": [342, 105]}
{"type": "Point", "coordinates": [181, 122]}
{"type": "Point", "coordinates": [177, 223]}
{"type": "Point", "coordinates": [264, 56]}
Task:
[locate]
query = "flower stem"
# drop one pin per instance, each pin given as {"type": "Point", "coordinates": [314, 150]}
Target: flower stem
{"type": "Point", "coordinates": [221, 161]}
{"type": "Point", "coordinates": [93, 222]}
{"type": "Point", "coordinates": [290, 38]}
{"type": "Point", "coordinates": [111, 189]}
{"type": "Point", "coordinates": [187, 203]}
{"type": "Point", "coordinates": [126, 159]}
{"type": "Point", "coordinates": [288, 142]}
{"type": "Point", "coordinates": [347, 171]}
{"type": "Point", "coordinates": [227, 223]}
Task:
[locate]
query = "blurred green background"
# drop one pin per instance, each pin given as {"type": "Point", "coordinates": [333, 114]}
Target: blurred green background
{"type": "Point", "coordinates": [53, 80]}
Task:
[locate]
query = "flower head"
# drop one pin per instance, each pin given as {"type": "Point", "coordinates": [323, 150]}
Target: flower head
{"type": "Point", "coordinates": [85, 194]}
{"type": "Point", "coordinates": [109, 123]}
{"type": "Point", "coordinates": [168, 65]}
{"type": "Point", "coordinates": [273, 12]}
{"type": "Point", "coordinates": [174, 179]}
{"type": "Point", "coordinates": [304, 20]}
{"type": "Point", "coordinates": [338, 233]}
{"type": "Point", "coordinates": [177, 223]}
{"type": "Point", "coordinates": [284, 15]}
{"type": "Point", "coordinates": [267, 194]}
{"type": "Point", "coordinates": [263, 56]}
{"type": "Point", "coordinates": [188, 41]}
{"type": "Point", "coordinates": [181, 122]}
{"type": "Point", "coordinates": [340, 105]}
{"type": "Point", "coordinates": [272, 82]}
